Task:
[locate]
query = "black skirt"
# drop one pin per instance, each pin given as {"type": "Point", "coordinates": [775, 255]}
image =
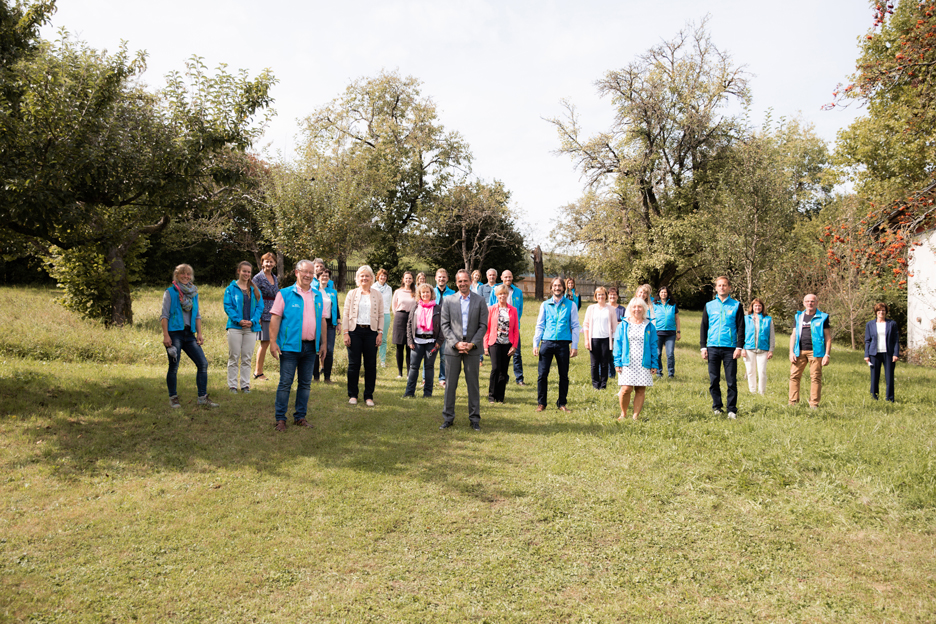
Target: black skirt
{"type": "Point", "coordinates": [400, 319]}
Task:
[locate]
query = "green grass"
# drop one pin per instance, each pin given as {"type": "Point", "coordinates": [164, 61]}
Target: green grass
{"type": "Point", "coordinates": [116, 508]}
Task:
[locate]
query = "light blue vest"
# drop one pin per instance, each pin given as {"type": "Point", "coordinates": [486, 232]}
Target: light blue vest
{"type": "Point", "coordinates": [722, 323]}
{"type": "Point", "coordinates": [815, 331]}
{"type": "Point", "coordinates": [557, 320]}
{"type": "Point", "coordinates": [290, 332]}
{"type": "Point", "coordinates": [176, 322]}
{"type": "Point", "coordinates": [439, 296]}
{"type": "Point", "coordinates": [665, 319]}
{"type": "Point", "coordinates": [762, 341]}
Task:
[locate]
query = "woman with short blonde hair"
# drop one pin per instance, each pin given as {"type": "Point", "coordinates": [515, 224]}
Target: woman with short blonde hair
{"type": "Point", "coordinates": [362, 329]}
{"type": "Point", "coordinates": [636, 357]}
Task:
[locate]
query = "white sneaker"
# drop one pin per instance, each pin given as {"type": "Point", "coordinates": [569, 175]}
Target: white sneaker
{"type": "Point", "coordinates": [717, 412]}
{"type": "Point", "coordinates": [732, 415]}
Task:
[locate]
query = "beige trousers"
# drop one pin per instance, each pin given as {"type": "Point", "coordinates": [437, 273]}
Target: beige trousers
{"type": "Point", "coordinates": [815, 378]}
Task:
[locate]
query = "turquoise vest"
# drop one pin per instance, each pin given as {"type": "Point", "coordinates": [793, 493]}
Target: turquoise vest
{"type": "Point", "coordinates": [722, 323]}
{"type": "Point", "coordinates": [438, 296]}
{"type": "Point", "coordinates": [290, 332]}
{"type": "Point", "coordinates": [815, 331]}
{"type": "Point", "coordinates": [334, 302]}
{"type": "Point", "coordinates": [763, 339]}
{"type": "Point", "coordinates": [557, 320]}
{"type": "Point", "coordinates": [665, 319]}
{"type": "Point", "coordinates": [176, 322]}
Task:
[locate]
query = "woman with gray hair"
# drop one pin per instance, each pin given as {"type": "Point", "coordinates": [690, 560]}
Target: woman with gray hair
{"type": "Point", "coordinates": [636, 358]}
{"type": "Point", "coordinates": [362, 329]}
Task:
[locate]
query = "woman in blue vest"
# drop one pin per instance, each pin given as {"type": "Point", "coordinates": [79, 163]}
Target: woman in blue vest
{"type": "Point", "coordinates": [570, 293]}
{"type": "Point", "coordinates": [636, 357]}
{"type": "Point", "coordinates": [331, 318]}
{"type": "Point", "coordinates": [243, 306]}
{"type": "Point", "coordinates": [179, 316]}
{"type": "Point", "coordinates": [882, 348]}
{"type": "Point", "coordinates": [667, 325]}
{"type": "Point", "coordinates": [758, 346]}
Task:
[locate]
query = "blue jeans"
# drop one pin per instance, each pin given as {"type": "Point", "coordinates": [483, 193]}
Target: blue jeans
{"type": "Point", "coordinates": [421, 353]}
{"type": "Point", "coordinates": [329, 357]}
{"type": "Point", "coordinates": [667, 339]}
{"type": "Point", "coordinates": [717, 356]}
{"type": "Point", "coordinates": [184, 341]}
{"type": "Point", "coordinates": [518, 361]}
{"type": "Point", "coordinates": [442, 363]}
{"type": "Point", "coordinates": [290, 362]}
{"type": "Point", "coordinates": [547, 350]}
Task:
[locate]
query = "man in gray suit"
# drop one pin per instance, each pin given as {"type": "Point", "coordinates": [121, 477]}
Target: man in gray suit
{"type": "Point", "coordinates": [464, 323]}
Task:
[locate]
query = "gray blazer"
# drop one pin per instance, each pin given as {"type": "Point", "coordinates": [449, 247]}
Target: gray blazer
{"type": "Point", "coordinates": [452, 322]}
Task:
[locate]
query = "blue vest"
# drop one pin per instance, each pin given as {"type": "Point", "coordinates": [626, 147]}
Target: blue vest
{"type": "Point", "coordinates": [334, 302]}
{"type": "Point", "coordinates": [722, 323]}
{"type": "Point", "coordinates": [176, 323]}
{"type": "Point", "coordinates": [665, 319]}
{"type": "Point", "coordinates": [651, 353]}
{"type": "Point", "coordinates": [234, 307]}
{"type": "Point", "coordinates": [516, 299]}
{"type": "Point", "coordinates": [815, 331]}
{"type": "Point", "coordinates": [557, 320]}
{"type": "Point", "coordinates": [290, 332]}
{"type": "Point", "coordinates": [763, 340]}
{"type": "Point", "coordinates": [438, 296]}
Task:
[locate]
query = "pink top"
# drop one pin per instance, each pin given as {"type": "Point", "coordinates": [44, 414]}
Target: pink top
{"type": "Point", "coordinates": [308, 311]}
{"type": "Point", "coordinates": [403, 301]}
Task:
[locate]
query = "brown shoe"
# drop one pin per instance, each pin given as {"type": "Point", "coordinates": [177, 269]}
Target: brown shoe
{"type": "Point", "coordinates": [280, 426]}
{"type": "Point", "coordinates": [563, 408]}
{"type": "Point", "coordinates": [302, 422]}
{"type": "Point", "coordinates": [540, 408]}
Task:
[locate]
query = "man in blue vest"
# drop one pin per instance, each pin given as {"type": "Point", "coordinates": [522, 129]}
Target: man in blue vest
{"type": "Point", "coordinates": [516, 300]}
{"type": "Point", "coordinates": [296, 323]}
{"type": "Point", "coordinates": [721, 340]}
{"type": "Point", "coordinates": [557, 329]}
{"type": "Point", "coordinates": [810, 343]}
{"type": "Point", "coordinates": [441, 291]}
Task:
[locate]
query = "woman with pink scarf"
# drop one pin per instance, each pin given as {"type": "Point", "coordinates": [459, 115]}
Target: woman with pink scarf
{"type": "Point", "coordinates": [424, 337]}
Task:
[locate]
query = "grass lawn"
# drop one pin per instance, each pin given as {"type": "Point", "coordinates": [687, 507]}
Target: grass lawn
{"type": "Point", "coordinates": [117, 508]}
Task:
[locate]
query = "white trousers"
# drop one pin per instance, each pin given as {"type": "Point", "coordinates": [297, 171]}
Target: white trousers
{"type": "Point", "coordinates": [241, 344]}
{"type": "Point", "coordinates": [755, 366]}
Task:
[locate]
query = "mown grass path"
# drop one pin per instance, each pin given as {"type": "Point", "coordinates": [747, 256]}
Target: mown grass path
{"type": "Point", "coordinates": [116, 508]}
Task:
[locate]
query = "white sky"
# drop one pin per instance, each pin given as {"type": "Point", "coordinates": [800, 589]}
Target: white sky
{"type": "Point", "coordinates": [494, 69]}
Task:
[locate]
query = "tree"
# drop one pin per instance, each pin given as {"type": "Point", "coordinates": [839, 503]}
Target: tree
{"type": "Point", "coordinates": [889, 153]}
{"type": "Point", "coordinates": [406, 157]}
{"type": "Point", "coordinates": [768, 181]}
{"type": "Point", "coordinates": [473, 227]}
{"type": "Point", "coordinates": [651, 169]}
{"type": "Point", "coordinates": [94, 164]}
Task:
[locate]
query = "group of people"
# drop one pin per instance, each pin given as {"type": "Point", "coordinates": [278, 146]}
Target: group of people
{"type": "Point", "coordinates": [298, 326]}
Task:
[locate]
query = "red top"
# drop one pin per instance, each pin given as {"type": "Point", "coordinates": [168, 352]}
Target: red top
{"type": "Point", "coordinates": [513, 333]}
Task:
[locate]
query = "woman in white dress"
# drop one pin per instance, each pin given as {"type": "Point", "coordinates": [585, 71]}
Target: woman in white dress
{"type": "Point", "coordinates": [636, 358]}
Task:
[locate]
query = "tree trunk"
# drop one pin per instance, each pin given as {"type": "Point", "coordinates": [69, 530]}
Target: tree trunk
{"type": "Point", "coordinates": [121, 303]}
{"type": "Point", "coordinates": [539, 273]}
{"type": "Point", "coordinates": [342, 272]}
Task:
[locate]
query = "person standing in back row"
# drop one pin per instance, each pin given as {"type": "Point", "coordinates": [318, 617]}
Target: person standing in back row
{"type": "Point", "coordinates": [810, 343]}
{"type": "Point", "coordinates": [721, 339]}
{"type": "Point", "coordinates": [442, 291]}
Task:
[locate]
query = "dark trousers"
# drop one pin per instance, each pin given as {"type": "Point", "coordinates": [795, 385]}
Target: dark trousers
{"type": "Point", "coordinates": [329, 357]}
{"type": "Point", "coordinates": [887, 361]}
{"type": "Point", "coordinates": [185, 342]}
{"type": "Point", "coordinates": [548, 349]}
{"type": "Point", "coordinates": [600, 348]}
{"type": "Point", "coordinates": [500, 371]}
{"type": "Point", "coordinates": [518, 361]}
{"type": "Point", "coordinates": [363, 346]}
{"type": "Point", "coordinates": [291, 363]}
{"type": "Point", "coordinates": [717, 357]}
{"type": "Point", "coordinates": [667, 340]}
{"type": "Point", "coordinates": [401, 350]}
{"type": "Point", "coordinates": [422, 353]}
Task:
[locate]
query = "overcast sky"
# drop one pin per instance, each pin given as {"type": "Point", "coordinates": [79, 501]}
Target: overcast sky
{"type": "Point", "coordinates": [494, 69]}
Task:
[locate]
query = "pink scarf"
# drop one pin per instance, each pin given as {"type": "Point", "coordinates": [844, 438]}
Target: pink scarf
{"type": "Point", "coordinates": [424, 317]}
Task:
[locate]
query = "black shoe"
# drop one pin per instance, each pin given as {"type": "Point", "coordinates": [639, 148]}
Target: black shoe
{"type": "Point", "coordinates": [476, 426]}
{"type": "Point", "coordinates": [446, 425]}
